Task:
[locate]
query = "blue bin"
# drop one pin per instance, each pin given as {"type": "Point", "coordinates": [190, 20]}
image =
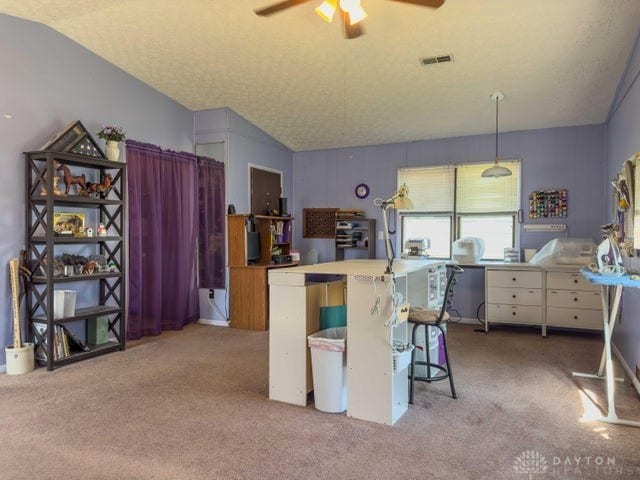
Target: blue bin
{"type": "Point", "coordinates": [333, 316]}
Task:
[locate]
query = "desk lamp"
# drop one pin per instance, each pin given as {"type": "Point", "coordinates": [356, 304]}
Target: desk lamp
{"type": "Point", "coordinates": [400, 199]}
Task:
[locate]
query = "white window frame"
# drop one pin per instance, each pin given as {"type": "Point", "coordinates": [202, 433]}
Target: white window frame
{"type": "Point", "coordinates": [454, 232]}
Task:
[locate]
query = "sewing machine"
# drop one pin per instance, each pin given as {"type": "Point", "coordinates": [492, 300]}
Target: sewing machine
{"type": "Point", "coordinates": [416, 248]}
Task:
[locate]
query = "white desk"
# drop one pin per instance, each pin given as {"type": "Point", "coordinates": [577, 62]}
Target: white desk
{"type": "Point", "coordinates": [374, 391]}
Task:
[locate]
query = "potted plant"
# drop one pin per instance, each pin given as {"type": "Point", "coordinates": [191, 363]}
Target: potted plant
{"type": "Point", "coordinates": [113, 134]}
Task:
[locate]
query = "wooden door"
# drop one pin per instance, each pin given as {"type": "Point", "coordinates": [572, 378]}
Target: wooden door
{"type": "Point", "coordinates": [265, 191]}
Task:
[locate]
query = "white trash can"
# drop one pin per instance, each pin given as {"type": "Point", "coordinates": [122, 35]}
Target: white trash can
{"type": "Point", "coordinates": [434, 350]}
{"type": "Point", "coordinates": [329, 366]}
{"type": "Point", "coordinates": [64, 303]}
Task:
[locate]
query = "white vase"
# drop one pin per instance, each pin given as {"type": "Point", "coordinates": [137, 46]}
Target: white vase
{"type": "Point", "coordinates": [113, 150]}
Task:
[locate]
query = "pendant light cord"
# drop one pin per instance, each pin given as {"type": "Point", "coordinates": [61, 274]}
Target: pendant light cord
{"type": "Point", "coordinates": [497, 101]}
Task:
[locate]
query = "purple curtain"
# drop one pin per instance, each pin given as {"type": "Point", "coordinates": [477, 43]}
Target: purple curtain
{"type": "Point", "coordinates": [163, 221]}
{"type": "Point", "coordinates": [211, 252]}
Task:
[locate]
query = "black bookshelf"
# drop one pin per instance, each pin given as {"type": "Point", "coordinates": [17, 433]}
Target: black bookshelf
{"type": "Point", "coordinates": [44, 245]}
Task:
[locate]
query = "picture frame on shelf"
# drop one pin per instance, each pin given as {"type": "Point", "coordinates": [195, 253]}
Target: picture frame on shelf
{"type": "Point", "coordinates": [65, 223]}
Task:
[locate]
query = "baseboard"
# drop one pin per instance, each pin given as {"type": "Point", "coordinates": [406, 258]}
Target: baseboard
{"type": "Point", "coordinates": [630, 373]}
{"type": "Point", "coordinates": [217, 323]}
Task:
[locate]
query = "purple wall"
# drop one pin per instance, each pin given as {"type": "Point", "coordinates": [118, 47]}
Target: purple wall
{"type": "Point", "coordinates": [47, 81]}
{"type": "Point", "coordinates": [622, 142]}
{"type": "Point", "coordinates": [246, 144]}
{"type": "Point", "coordinates": [570, 158]}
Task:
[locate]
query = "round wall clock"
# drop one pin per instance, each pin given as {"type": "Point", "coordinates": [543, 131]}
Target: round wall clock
{"type": "Point", "coordinates": [362, 190]}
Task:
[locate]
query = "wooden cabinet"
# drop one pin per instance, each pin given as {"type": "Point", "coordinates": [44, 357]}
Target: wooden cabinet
{"type": "Point", "coordinates": [70, 258]}
{"type": "Point", "coordinates": [514, 294]}
{"type": "Point", "coordinates": [248, 282]}
{"type": "Point", "coordinates": [572, 301]}
{"type": "Point", "coordinates": [355, 234]}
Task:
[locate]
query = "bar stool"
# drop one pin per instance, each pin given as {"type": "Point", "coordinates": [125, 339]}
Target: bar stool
{"type": "Point", "coordinates": [421, 317]}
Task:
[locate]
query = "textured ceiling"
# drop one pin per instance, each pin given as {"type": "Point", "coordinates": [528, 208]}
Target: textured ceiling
{"type": "Point", "coordinates": [294, 76]}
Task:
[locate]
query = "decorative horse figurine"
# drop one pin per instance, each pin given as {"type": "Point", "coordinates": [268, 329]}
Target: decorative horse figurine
{"type": "Point", "coordinates": [100, 188]}
{"type": "Point", "coordinates": [72, 180]}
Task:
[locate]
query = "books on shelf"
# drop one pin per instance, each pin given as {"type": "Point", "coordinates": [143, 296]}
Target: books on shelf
{"type": "Point", "coordinates": [64, 340]}
{"type": "Point", "coordinates": [74, 342]}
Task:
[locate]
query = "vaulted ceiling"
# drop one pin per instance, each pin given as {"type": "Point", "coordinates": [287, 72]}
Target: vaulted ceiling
{"type": "Point", "coordinates": [296, 77]}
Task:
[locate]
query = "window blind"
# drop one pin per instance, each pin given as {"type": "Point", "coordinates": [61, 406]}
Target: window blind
{"type": "Point", "coordinates": [476, 194]}
{"type": "Point", "coordinates": [431, 189]}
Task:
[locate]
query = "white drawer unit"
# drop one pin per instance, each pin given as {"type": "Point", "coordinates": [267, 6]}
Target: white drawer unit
{"type": "Point", "coordinates": [572, 301]}
{"type": "Point", "coordinates": [527, 314]}
{"type": "Point", "coordinates": [514, 278]}
{"type": "Point", "coordinates": [514, 295]}
{"type": "Point", "coordinates": [574, 318]}
{"type": "Point", "coordinates": [570, 280]}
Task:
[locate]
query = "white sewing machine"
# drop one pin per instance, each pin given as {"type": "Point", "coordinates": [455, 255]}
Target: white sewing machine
{"type": "Point", "coordinates": [416, 248]}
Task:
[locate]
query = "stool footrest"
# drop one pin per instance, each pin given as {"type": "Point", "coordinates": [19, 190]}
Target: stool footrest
{"type": "Point", "coordinates": [430, 378]}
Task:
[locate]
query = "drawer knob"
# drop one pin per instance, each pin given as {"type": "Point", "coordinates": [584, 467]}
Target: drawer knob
{"type": "Point", "coordinates": [575, 317]}
{"type": "Point", "coordinates": [513, 313]}
{"type": "Point", "coordinates": [575, 281]}
{"type": "Point", "coordinates": [513, 279]}
{"type": "Point", "coordinates": [575, 299]}
{"type": "Point", "coordinates": [513, 296]}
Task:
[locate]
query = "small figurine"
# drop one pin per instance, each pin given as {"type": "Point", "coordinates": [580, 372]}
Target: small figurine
{"type": "Point", "coordinates": [89, 232]}
{"type": "Point", "coordinates": [102, 230]}
{"type": "Point", "coordinates": [89, 267]}
{"type": "Point", "coordinates": [72, 180]}
{"type": "Point", "coordinates": [56, 179]}
{"type": "Point", "coordinates": [100, 188]}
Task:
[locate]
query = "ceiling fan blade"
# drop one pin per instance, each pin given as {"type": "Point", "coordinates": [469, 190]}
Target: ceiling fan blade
{"type": "Point", "coordinates": [276, 7]}
{"type": "Point", "coordinates": [351, 31]}
{"type": "Point", "coordinates": [424, 3]}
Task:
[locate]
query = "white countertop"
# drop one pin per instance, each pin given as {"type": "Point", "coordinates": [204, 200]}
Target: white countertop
{"type": "Point", "coordinates": [360, 267]}
{"type": "Point", "coordinates": [502, 265]}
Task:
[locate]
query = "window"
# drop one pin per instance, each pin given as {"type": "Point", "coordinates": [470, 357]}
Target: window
{"type": "Point", "coordinates": [452, 202]}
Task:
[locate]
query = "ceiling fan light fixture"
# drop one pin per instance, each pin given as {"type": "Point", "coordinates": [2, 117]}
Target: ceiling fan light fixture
{"type": "Point", "coordinates": [356, 15]}
{"type": "Point", "coordinates": [327, 10]}
{"type": "Point", "coordinates": [496, 171]}
{"type": "Point", "coordinates": [354, 9]}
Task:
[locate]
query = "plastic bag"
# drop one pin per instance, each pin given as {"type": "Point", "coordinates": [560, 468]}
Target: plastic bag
{"type": "Point", "coordinates": [332, 339]}
{"type": "Point", "coordinates": [565, 251]}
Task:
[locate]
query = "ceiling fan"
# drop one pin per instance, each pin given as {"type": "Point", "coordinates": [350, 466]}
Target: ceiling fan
{"type": "Point", "coordinates": [351, 11]}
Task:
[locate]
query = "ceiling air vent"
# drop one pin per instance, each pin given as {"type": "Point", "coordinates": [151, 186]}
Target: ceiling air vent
{"type": "Point", "coordinates": [431, 60]}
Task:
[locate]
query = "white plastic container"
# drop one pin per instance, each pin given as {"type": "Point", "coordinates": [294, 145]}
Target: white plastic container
{"type": "Point", "coordinates": [64, 303]}
{"type": "Point", "coordinates": [329, 366]}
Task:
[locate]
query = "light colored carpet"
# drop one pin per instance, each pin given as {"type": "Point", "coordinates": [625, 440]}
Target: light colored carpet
{"type": "Point", "coordinates": [193, 405]}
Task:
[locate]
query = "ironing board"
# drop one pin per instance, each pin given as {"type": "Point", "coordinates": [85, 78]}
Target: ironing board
{"type": "Point", "coordinates": [611, 287]}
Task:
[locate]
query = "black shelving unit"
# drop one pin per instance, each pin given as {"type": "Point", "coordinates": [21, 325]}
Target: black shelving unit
{"type": "Point", "coordinates": [106, 288]}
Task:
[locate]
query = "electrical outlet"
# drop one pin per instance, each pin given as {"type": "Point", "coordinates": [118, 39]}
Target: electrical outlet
{"type": "Point", "coordinates": [380, 235]}
{"type": "Point", "coordinates": [211, 293]}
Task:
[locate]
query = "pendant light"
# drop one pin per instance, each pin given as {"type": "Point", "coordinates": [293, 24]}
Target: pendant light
{"type": "Point", "coordinates": [496, 171]}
